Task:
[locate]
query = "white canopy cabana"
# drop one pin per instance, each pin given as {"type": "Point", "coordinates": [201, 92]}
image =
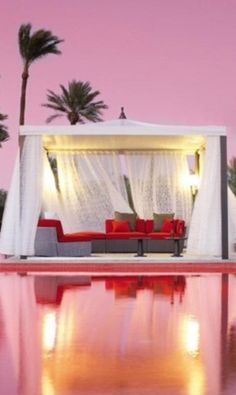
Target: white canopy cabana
{"type": "Point", "coordinates": [208, 228]}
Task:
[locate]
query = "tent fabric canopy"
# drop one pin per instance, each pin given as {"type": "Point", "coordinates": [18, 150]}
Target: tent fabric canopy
{"type": "Point", "coordinates": [122, 127]}
{"type": "Point", "coordinates": [118, 135]}
{"type": "Point", "coordinates": [123, 134]}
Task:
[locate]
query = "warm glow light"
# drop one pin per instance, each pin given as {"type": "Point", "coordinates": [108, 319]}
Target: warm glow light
{"type": "Point", "coordinates": [191, 335]}
{"type": "Point", "coordinates": [47, 386]}
{"type": "Point", "coordinates": [196, 384]}
{"type": "Point", "coordinates": [194, 182]}
{"type": "Point", "coordinates": [49, 189]}
{"type": "Point", "coordinates": [49, 331]}
{"type": "Point", "coordinates": [48, 178]}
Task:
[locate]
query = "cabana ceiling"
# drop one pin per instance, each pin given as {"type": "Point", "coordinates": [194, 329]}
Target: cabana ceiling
{"type": "Point", "coordinates": [121, 143]}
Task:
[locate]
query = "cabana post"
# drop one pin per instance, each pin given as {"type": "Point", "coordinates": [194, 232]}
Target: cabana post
{"type": "Point", "coordinates": [224, 198]}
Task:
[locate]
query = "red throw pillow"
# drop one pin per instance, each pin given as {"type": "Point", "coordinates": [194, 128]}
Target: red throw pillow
{"type": "Point", "coordinates": [120, 226]}
{"type": "Point", "coordinates": [167, 226]}
{"type": "Point", "coordinates": [180, 228]}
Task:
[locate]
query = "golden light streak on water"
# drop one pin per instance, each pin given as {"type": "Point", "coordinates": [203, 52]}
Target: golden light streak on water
{"type": "Point", "coordinates": [49, 331]}
{"type": "Point", "coordinates": [190, 333]}
{"type": "Point", "coordinates": [190, 340]}
{"type": "Point", "coordinates": [47, 386]}
{"type": "Point", "coordinates": [196, 384]}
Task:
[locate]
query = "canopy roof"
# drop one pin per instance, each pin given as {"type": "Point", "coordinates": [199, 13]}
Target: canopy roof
{"type": "Point", "coordinates": [122, 134]}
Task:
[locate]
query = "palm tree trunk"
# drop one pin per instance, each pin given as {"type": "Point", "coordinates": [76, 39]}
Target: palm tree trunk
{"type": "Point", "coordinates": [25, 76]}
{"type": "Point", "coordinates": [73, 118]}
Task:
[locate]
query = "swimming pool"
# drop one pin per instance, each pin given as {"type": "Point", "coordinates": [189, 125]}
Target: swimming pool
{"type": "Point", "coordinates": [143, 335]}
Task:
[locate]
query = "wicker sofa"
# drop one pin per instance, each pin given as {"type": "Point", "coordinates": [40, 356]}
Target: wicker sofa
{"type": "Point", "coordinates": [52, 241]}
{"type": "Point", "coordinates": [155, 241]}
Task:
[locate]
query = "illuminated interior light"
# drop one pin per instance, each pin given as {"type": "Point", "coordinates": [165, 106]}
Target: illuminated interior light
{"type": "Point", "coordinates": [194, 182]}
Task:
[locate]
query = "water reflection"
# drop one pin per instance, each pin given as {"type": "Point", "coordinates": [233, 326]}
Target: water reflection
{"type": "Point", "coordinates": [190, 333]}
{"type": "Point", "coordinates": [50, 289]}
{"type": "Point", "coordinates": [145, 335]}
{"type": "Point", "coordinates": [49, 330]}
{"type": "Point", "coordinates": [159, 285]}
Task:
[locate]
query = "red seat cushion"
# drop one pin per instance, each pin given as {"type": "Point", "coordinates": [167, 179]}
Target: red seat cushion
{"type": "Point", "coordinates": [73, 237]}
{"type": "Point", "coordinates": [149, 225]}
{"type": "Point", "coordinates": [120, 226]}
{"type": "Point", "coordinates": [61, 237]}
{"type": "Point", "coordinates": [124, 235]}
{"type": "Point", "coordinates": [159, 235]}
{"type": "Point", "coordinates": [93, 234]}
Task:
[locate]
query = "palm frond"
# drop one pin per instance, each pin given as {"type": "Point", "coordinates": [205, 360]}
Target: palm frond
{"type": "Point", "coordinates": [232, 174]}
{"type": "Point", "coordinates": [24, 39]}
{"type": "Point", "coordinates": [52, 117]}
{"type": "Point", "coordinates": [56, 102]}
{"type": "Point", "coordinates": [76, 101]}
{"type": "Point", "coordinates": [4, 136]}
{"type": "Point", "coordinates": [37, 45]}
{"type": "Point", "coordinates": [3, 117]}
{"type": "Point", "coordinates": [67, 97]}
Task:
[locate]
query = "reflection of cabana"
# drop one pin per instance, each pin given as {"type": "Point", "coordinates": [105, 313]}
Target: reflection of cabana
{"type": "Point", "coordinates": [50, 289]}
{"type": "Point", "coordinates": [159, 285]}
{"type": "Point", "coordinates": [90, 176]}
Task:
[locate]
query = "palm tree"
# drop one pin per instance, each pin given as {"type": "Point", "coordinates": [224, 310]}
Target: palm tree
{"type": "Point", "coordinates": [232, 174]}
{"type": "Point", "coordinates": [4, 136]}
{"type": "Point", "coordinates": [33, 46]}
{"type": "Point", "coordinates": [76, 102]}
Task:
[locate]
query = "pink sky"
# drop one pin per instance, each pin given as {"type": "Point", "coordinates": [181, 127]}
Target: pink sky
{"type": "Point", "coordinates": [165, 61]}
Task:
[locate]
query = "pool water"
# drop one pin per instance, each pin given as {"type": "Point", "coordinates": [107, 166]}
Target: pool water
{"type": "Point", "coordinates": [136, 335]}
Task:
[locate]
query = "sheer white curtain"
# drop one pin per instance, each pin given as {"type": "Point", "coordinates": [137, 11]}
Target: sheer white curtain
{"type": "Point", "coordinates": [91, 189]}
{"type": "Point", "coordinates": [51, 207]}
{"type": "Point", "coordinates": [232, 222]}
{"type": "Point", "coordinates": [139, 166]}
{"type": "Point", "coordinates": [31, 169]}
{"type": "Point", "coordinates": [159, 183]}
{"type": "Point", "coordinates": [9, 236]}
{"type": "Point", "coordinates": [171, 191]}
{"type": "Point", "coordinates": [201, 161]}
{"type": "Point", "coordinates": [205, 228]}
{"type": "Point", "coordinates": [23, 201]}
